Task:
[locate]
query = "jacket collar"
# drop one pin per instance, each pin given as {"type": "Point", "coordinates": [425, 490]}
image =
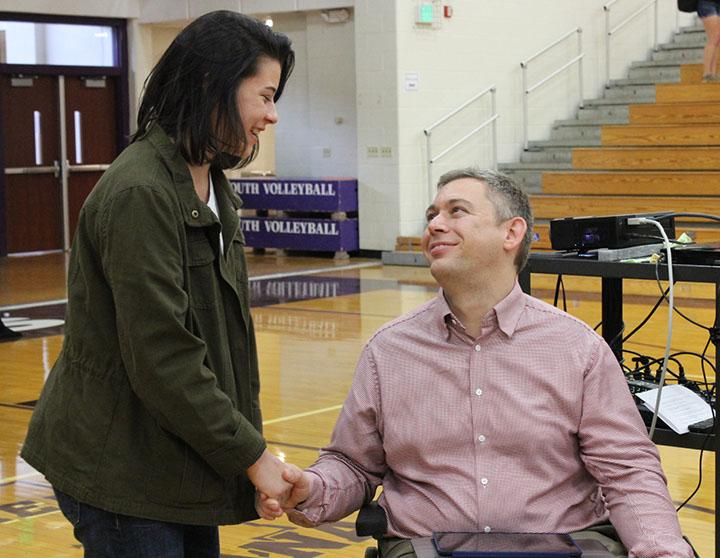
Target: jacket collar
{"type": "Point", "coordinates": [195, 212]}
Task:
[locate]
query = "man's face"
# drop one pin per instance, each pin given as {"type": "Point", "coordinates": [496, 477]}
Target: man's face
{"type": "Point", "coordinates": [463, 237]}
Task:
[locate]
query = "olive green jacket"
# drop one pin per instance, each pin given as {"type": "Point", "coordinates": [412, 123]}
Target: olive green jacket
{"type": "Point", "coordinates": [151, 409]}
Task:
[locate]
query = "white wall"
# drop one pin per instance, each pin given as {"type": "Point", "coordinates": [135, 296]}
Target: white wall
{"type": "Point", "coordinates": [316, 135]}
{"type": "Point", "coordinates": [376, 68]}
{"type": "Point", "coordinates": [482, 44]}
{"type": "Point", "coordinates": [95, 8]}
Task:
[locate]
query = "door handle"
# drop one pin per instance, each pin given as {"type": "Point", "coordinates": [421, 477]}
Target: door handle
{"type": "Point", "coordinates": [100, 167]}
{"type": "Point", "coordinates": [55, 169]}
{"type": "Point", "coordinates": [37, 135]}
{"type": "Point", "coordinates": [78, 137]}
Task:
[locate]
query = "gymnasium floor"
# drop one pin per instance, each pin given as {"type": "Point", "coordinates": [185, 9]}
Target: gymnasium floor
{"type": "Point", "coordinates": [312, 318]}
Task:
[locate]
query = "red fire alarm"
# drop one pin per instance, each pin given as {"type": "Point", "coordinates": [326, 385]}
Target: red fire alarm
{"type": "Point", "coordinates": [447, 11]}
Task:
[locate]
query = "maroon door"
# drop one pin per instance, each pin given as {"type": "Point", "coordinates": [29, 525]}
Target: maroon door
{"type": "Point", "coordinates": [33, 192]}
{"type": "Point", "coordinates": [33, 153]}
{"type": "Point", "coordinates": [91, 132]}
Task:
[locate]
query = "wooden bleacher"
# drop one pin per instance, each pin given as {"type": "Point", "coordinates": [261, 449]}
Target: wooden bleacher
{"type": "Point", "coordinates": [666, 159]}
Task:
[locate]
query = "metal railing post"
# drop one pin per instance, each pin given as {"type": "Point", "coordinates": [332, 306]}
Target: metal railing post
{"type": "Point", "coordinates": [527, 90]}
{"type": "Point", "coordinates": [580, 67]}
{"type": "Point", "coordinates": [606, 8]}
{"type": "Point", "coordinates": [657, 20]}
{"type": "Point", "coordinates": [493, 108]}
{"type": "Point", "coordinates": [610, 32]}
{"type": "Point", "coordinates": [428, 144]}
{"type": "Point", "coordinates": [525, 104]}
{"type": "Point", "coordinates": [428, 133]}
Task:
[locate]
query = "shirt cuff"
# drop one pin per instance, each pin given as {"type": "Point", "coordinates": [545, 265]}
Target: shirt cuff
{"type": "Point", "coordinates": [309, 512]}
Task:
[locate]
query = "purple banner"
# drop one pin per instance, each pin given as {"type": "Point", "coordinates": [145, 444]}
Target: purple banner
{"type": "Point", "coordinates": [298, 194]}
{"type": "Point", "coordinates": [321, 235]}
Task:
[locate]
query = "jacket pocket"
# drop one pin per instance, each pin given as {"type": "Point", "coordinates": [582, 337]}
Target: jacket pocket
{"type": "Point", "coordinates": [179, 476]}
{"type": "Point", "coordinates": [77, 407]}
{"type": "Point", "coordinates": [202, 277]}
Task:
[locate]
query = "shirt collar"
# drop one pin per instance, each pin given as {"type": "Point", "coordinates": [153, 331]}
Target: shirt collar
{"type": "Point", "coordinates": [507, 312]}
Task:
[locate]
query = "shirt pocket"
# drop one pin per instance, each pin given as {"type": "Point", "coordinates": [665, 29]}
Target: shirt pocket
{"type": "Point", "coordinates": [203, 288]}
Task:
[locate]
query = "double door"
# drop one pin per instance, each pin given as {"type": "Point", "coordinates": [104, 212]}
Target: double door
{"type": "Point", "coordinates": [59, 133]}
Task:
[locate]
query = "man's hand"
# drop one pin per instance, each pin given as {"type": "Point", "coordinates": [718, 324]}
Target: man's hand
{"type": "Point", "coordinates": [301, 486]}
{"type": "Point", "coordinates": [270, 508]}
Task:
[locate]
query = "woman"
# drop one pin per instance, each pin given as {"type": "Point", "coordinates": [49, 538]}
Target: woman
{"type": "Point", "coordinates": [148, 427]}
{"type": "Point", "coordinates": [709, 13]}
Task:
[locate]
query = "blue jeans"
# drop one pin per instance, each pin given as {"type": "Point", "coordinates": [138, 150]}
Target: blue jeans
{"type": "Point", "coordinates": [110, 535]}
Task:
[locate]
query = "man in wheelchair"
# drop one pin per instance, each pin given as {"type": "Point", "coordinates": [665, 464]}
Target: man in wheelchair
{"type": "Point", "coordinates": [486, 409]}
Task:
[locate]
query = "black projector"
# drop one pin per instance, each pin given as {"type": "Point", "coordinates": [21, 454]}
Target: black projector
{"type": "Point", "coordinates": [611, 231]}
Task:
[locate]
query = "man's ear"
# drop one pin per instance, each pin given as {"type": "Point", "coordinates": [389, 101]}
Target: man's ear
{"type": "Point", "coordinates": [514, 233]}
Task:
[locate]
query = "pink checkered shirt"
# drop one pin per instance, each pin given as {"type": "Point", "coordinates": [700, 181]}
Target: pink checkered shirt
{"type": "Point", "coordinates": [516, 430]}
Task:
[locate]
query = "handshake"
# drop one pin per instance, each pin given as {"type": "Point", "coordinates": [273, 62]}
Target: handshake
{"type": "Point", "coordinates": [280, 486]}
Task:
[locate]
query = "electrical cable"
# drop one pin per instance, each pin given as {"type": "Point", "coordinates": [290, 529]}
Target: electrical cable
{"type": "Point", "coordinates": [677, 310]}
{"type": "Point", "coordinates": [671, 303]}
{"type": "Point", "coordinates": [646, 319]}
{"type": "Point", "coordinates": [646, 366]}
{"type": "Point", "coordinates": [699, 483]}
{"type": "Point", "coordinates": [685, 214]}
{"type": "Point", "coordinates": [559, 284]}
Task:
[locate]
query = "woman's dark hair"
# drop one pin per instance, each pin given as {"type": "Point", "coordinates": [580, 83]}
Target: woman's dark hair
{"type": "Point", "coordinates": [191, 91]}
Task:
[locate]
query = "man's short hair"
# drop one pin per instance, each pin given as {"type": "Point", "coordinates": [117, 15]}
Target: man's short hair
{"type": "Point", "coordinates": [506, 196]}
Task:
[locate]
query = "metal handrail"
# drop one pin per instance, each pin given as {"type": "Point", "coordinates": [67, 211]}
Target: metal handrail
{"type": "Point", "coordinates": [610, 32]}
{"type": "Point", "coordinates": [556, 42]}
{"type": "Point", "coordinates": [527, 90]}
{"type": "Point", "coordinates": [428, 134]}
{"type": "Point", "coordinates": [464, 138]}
{"type": "Point", "coordinates": [454, 112]}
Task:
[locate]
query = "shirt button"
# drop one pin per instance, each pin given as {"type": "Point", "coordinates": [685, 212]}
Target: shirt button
{"type": "Point", "coordinates": [481, 439]}
{"type": "Point", "coordinates": [483, 481]}
{"type": "Point", "coordinates": [195, 213]}
{"type": "Point", "coordinates": [477, 348]}
{"type": "Point", "coordinates": [478, 391]}
{"type": "Point", "coordinates": [487, 529]}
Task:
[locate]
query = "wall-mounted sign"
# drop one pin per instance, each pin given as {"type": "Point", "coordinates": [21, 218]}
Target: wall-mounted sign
{"type": "Point", "coordinates": [322, 235]}
{"type": "Point", "coordinates": [297, 194]}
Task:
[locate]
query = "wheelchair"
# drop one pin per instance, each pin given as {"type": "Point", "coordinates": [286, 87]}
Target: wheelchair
{"type": "Point", "coordinates": [371, 522]}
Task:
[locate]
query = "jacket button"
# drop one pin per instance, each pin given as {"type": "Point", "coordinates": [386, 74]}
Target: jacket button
{"type": "Point", "coordinates": [195, 213]}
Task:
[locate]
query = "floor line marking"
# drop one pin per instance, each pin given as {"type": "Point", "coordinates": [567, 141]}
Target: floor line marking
{"type": "Point", "coordinates": [251, 279]}
{"type": "Point", "coordinates": [11, 521]}
{"type": "Point", "coordinates": [34, 304]}
{"type": "Point", "coordinates": [19, 477]}
{"type": "Point", "coordinates": [301, 415]}
{"type": "Point", "coordinates": [313, 271]}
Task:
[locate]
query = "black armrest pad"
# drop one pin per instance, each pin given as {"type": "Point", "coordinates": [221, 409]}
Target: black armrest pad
{"type": "Point", "coordinates": [371, 521]}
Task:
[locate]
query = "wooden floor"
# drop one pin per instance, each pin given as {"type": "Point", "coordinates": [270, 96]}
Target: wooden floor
{"type": "Point", "coordinates": [310, 328]}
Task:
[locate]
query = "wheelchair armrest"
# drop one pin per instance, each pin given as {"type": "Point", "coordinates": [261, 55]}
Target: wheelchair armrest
{"type": "Point", "coordinates": [371, 521]}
